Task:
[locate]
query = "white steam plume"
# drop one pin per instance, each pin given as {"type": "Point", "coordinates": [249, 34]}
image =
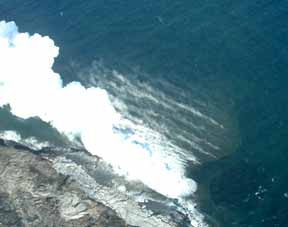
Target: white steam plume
{"type": "Point", "coordinates": [31, 88]}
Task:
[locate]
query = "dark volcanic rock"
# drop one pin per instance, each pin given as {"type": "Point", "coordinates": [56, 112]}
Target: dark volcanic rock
{"type": "Point", "coordinates": [32, 193]}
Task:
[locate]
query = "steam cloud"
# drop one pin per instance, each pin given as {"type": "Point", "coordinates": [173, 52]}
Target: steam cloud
{"type": "Point", "coordinates": [31, 88]}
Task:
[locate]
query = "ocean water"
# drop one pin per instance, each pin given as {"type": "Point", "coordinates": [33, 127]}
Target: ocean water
{"type": "Point", "coordinates": [199, 86]}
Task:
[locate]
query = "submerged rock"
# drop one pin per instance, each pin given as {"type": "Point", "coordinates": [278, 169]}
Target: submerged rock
{"type": "Point", "coordinates": [32, 193]}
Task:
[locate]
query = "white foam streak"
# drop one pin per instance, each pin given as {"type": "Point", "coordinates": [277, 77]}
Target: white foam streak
{"type": "Point", "coordinates": [31, 88]}
{"type": "Point", "coordinates": [30, 142]}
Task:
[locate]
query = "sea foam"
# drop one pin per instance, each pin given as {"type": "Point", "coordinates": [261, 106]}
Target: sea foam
{"type": "Point", "coordinates": [31, 88]}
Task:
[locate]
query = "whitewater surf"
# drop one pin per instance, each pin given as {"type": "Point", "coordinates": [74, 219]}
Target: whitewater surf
{"type": "Point", "coordinates": [32, 89]}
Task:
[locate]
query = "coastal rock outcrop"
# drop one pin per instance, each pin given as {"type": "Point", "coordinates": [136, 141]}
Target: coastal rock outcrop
{"type": "Point", "coordinates": [32, 194]}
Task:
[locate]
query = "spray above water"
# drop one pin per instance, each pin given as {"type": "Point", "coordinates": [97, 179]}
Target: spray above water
{"type": "Point", "coordinates": [31, 88]}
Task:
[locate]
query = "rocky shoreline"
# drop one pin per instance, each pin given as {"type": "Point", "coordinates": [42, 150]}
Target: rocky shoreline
{"type": "Point", "coordinates": [69, 187]}
{"type": "Point", "coordinates": [32, 193]}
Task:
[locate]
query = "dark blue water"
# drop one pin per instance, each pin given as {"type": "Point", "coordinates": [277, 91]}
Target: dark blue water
{"type": "Point", "coordinates": [233, 54]}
